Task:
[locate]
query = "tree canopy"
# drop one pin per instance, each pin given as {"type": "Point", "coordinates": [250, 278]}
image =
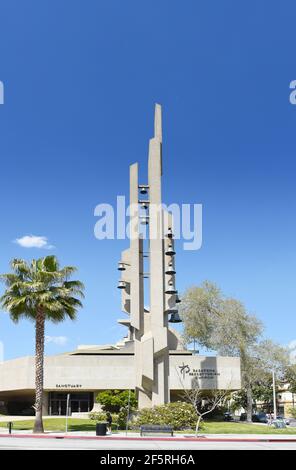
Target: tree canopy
{"type": "Point", "coordinates": [222, 324]}
{"type": "Point", "coordinates": [41, 283]}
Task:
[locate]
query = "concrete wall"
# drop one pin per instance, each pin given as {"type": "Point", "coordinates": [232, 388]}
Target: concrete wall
{"type": "Point", "coordinates": [77, 373]}
{"type": "Point", "coordinates": [207, 372]}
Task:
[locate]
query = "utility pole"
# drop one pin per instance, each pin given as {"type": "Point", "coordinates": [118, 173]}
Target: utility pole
{"type": "Point", "coordinates": [67, 410]}
{"type": "Point", "coordinates": [128, 411]}
{"type": "Point", "coordinates": [274, 395]}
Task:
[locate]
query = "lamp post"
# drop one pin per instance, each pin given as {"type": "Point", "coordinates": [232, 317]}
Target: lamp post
{"type": "Point", "coordinates": [128, 411]}
{"type": "Point", "coordinates": [67, 410]}
{"type": "Point", "coordinates": [274, 395]}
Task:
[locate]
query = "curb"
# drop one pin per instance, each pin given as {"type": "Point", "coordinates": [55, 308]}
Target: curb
{"type": "Point", "coordinates": [123, 438]}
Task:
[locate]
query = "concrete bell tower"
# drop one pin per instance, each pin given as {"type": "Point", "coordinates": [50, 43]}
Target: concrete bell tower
{"type": "Point", "coordinates": [154, 248]}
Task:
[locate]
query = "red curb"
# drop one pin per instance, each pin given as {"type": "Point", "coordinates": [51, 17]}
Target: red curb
{"type": "Point", "coordinates": [123, 438]}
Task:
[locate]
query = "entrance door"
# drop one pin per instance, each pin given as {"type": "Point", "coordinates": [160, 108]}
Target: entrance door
{"type": "Point", "coordinates": [55, 407]}
{"type": "Point", "coordinates": [75, 406]}
{"type": "Point", "coordinates": [79, 402]}
{"type": "Point", "coordinates": [58, 407]}
{"type": "Point", "coordinates": [84, 406]}
{"type": "Point", "coordinates": [63, 407]}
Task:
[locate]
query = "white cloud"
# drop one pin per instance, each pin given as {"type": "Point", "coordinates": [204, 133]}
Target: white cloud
{"type": "Point", "coordinates": [33, 241]}
{"type": "Point", "coordinates": [59, 340]}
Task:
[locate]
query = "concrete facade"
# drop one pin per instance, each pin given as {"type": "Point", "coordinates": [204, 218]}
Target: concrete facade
{"type": "Point", "coordinates": [93, 370]}
{"type": "Point", "coordinates": [83, 372]}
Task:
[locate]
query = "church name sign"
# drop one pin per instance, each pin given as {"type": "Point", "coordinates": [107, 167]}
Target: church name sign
{"type": "Point", "coordinates": [205, 373]}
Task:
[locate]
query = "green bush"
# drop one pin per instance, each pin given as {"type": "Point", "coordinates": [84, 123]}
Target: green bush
{"type": "Point", "coordinates": [97, 416]}
{"type": "Point", "coordinates": [180, 415]}
{"type": "Point", "coordinates": [114, 400]}
{"type": "Point", "coordinates": [100, 417]}
{"type": "Point", "coordinates": [122, 417]}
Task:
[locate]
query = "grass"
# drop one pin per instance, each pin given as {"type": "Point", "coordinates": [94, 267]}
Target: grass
{"type": "Point", "coordinates": [209, 427]}
{"type": "Point", "coordinates": [55, 424]}
{"type": "Point", "coordinates": [213, 427]}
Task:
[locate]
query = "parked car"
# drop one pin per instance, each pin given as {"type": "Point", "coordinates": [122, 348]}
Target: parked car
{"type": "Point", "coordinates": [228, 416]}
{"type": "Point", "coordinates": [256, 417]}
{"type": "Point", "coordinates": [286, 420]}
{"type": "Point", "coordinates": [259, 418]}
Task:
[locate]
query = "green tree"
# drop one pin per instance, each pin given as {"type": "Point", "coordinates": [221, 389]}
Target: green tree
{"type": "Point", "coordinates": [290, 377]}
{"type": "Point", "coordinates": [292, 412]}
{"type": "Point", "coordinates": [261, 359]}
{"type": "Point", "coordinates": [262, 392]}
{"type": "Point", "coordinates": [223, 325]}
{"type": "Point", "coordinates": [40, 291]}
{"type": "Point", "coordinates": [115, 400]}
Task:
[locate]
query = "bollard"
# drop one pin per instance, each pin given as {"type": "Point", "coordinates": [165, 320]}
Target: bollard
{"type": "Point", "coordinates": [9, 425]}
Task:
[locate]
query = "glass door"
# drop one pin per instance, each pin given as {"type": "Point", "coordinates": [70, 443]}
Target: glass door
{"type": "Point", "coordinates": [55, 406]}
{"type": "Point", "coordinates": [75, 406]}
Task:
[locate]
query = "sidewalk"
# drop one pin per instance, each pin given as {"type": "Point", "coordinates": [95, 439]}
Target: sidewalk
{"type": "Point", "coordinates": [90, 435]}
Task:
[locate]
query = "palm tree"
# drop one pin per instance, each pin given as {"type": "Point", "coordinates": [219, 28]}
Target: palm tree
{"type": "Point", "coordinates": [40, 291]}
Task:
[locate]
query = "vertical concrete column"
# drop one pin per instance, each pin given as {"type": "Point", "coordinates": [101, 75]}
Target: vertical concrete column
{"type": "Point", "coordinates": [136, 255]}
{"type": "Point", "coordinates": [159, 330]}
{"type": "Point", "coordinates": [143, 389]}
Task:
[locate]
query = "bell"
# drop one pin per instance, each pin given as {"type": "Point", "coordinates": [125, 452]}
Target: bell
{"type": "Point", "coordinates": [121, 266]}
{"type": "Point", "coordinates": [170, 233]}
{"type": "Point", "coordinates": [171, 290]}
{"type": "Point", "coordinates": [178, 300]}
{"type": "Point", "coordinates": [143, 189]}
{"type": "Point", "coordinates": [175, 318]}
{"type": "Point", "coordinates": [144, 220]}
{"type": "Point", "coordinates": [170, 270]}
{"type": "Point", "coordinates": [144, 204]}
{"type": "Point", "coordinates": [170, 251]}
{"type": "Point", "coordinates": [121, 285]}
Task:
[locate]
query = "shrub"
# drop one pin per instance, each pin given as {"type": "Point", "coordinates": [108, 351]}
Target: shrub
{"type": "Point", "coordinates": [97, 416]}
{"type": "Point", "coordinates": [180, 415]}
{"type": "Point", "coordinates": [114, 400]}
{"type": "Point", "coordinates": [100, 417]}
{"type": "Point", "coordinates": [122, 417]}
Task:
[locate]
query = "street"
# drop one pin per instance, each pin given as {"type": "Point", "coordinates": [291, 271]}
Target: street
{"type": "Point", "coordinates": [15, 443]}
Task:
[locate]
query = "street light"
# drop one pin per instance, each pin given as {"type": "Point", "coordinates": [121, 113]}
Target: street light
{"type": "Point", "coordinates": [274, 395]}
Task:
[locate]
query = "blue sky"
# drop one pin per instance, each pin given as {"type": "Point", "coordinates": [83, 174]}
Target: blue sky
{"type": "Point", "coordinates": [81, 80]}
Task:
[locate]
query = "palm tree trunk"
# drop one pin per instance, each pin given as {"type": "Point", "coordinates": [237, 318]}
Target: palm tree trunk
{"type": "Point", "coordinates": [39, 361]}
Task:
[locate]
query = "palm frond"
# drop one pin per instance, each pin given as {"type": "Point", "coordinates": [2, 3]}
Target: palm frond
{"type": "Point", "coordinates": [50, 264]}
{"type": "Point", "coordinates": [41, 284]}
{"type": "Point", "coordinates": [20, 267]}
